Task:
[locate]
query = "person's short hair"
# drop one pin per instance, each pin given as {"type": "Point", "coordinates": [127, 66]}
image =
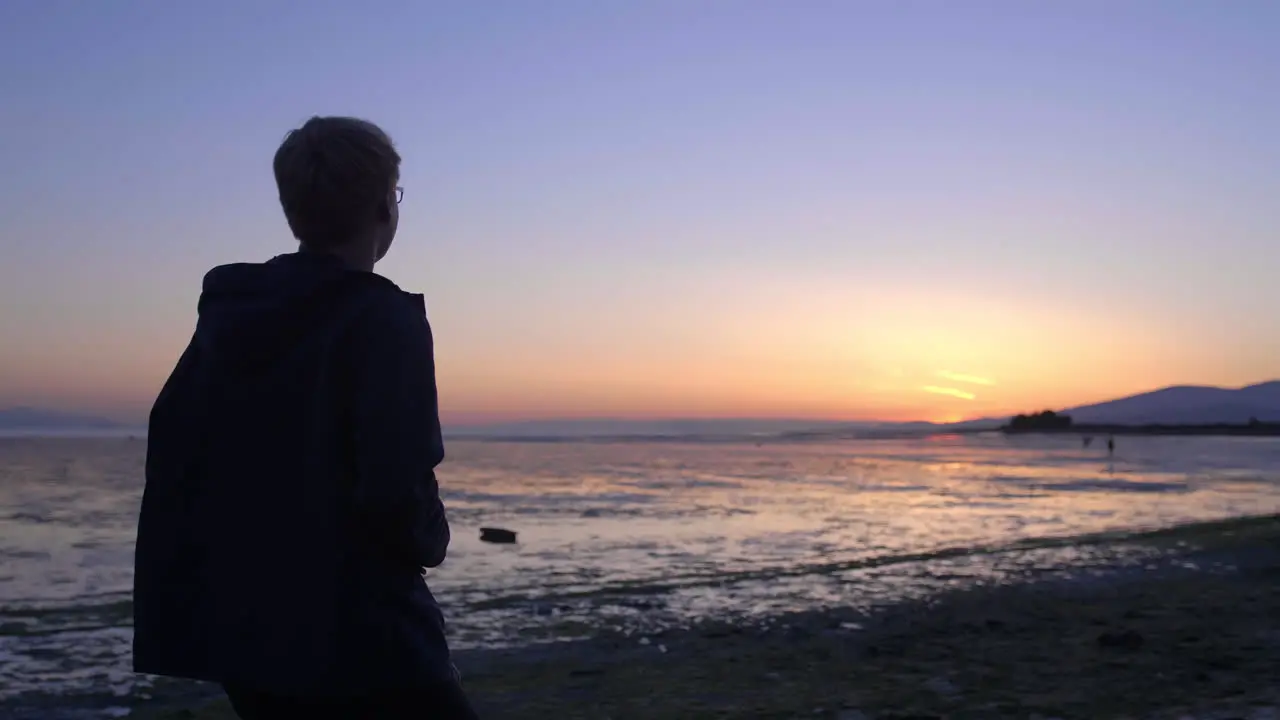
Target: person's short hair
{"type": "Point", "coordinates": [333, 174]}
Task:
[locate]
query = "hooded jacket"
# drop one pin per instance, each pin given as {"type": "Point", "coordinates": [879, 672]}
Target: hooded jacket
{"type": "Point", "coordinates": [291, 502]}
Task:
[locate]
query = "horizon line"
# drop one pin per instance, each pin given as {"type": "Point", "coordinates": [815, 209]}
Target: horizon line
{"type": "Point", "coordinates": [110, 421]}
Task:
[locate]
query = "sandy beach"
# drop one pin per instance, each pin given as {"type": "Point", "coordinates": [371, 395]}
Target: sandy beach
{"type": "Point", "coordinates": [1192, 634]}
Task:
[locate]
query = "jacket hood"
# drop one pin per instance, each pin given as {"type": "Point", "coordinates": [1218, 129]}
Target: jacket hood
{"type": "Point", "coordinates": [252, 314]}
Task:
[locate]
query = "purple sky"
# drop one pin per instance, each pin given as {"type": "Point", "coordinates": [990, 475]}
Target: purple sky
{"type": "Point", "coordinates": [709, 207]}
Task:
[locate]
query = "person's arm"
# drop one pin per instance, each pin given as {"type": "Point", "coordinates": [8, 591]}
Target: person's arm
{"type": "Point", "coordinates": [397, 431]}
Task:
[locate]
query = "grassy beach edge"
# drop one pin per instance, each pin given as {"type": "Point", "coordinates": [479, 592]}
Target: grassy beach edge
{"type": "Point", "coordinates": [1195, 634]}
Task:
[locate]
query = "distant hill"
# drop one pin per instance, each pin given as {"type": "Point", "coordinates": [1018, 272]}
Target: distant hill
{"type": "Point", "coordinates": [27, 418]}
{"type": "Point", "coordinates": [1179, 405]}
{"type": "Point", "coordinates": [1187, 405]}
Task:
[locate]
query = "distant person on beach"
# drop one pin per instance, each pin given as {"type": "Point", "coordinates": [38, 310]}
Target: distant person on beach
{"type": "Point", "coordinates": [1111, 446]}
{"type": "Point", "coordinates": [291, 503]}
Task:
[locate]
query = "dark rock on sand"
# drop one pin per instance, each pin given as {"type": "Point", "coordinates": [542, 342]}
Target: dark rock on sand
{"type": "Point", "coordinates": [497, 535]}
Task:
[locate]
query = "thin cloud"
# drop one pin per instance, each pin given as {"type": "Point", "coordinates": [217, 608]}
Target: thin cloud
{"type": "Point", "coordinates": [949, 391]}
{"type": "Point", "coordinates": [962, 378]}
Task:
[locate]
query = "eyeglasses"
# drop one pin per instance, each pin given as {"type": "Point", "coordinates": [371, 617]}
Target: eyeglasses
{"type": "Point", "coordinates": [399, 194]}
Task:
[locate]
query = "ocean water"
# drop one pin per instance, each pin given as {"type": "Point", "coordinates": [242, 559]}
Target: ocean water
{"type": "Point", "coordinates": [639, 536]}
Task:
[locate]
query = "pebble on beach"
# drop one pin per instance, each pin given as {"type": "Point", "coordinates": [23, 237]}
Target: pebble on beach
{"type": "Point", "coordinates": [497, 535]}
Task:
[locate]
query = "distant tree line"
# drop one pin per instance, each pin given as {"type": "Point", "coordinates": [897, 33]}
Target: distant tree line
{"type": "Point", "coordinates": [1045, 420]}
{"type": "Point", "coordinates": [1050, 421]}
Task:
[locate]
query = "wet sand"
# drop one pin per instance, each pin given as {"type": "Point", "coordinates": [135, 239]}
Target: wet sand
{"type": "Point", "coordinates": [1195, 634]}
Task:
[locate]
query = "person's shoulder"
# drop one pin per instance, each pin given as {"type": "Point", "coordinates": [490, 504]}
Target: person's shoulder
{"type": "Point", "coordinates": [388, 310]}
{"type": "Point", "coordinates": [386, 296]}
{"type": "Point", "coordinates": [220, 273]}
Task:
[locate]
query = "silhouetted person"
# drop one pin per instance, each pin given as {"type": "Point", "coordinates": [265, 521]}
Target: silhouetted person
{"type": "Point", "coordinates": [1111, 446]}
{"type": "Point", "coordinates": [291, 502]}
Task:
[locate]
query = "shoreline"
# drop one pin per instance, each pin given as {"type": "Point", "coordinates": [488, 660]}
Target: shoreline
{"type": "Point", "coordinates": [1194, 633]}
{"type": "Point", "coordinates": [1139, 431]}
{"type": "Point", "coordinates": [1257, 430]}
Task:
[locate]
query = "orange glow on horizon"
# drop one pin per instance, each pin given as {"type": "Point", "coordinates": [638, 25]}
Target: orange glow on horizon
{"type": "Point", "coordinates": [820, 353]}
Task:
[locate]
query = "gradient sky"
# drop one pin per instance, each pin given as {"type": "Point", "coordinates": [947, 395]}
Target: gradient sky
{"type": "Point", "coordinates": [838, 209]}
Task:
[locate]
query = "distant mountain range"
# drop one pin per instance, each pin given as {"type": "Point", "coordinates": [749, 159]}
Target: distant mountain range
{"type": "Point", "coordinates": [1187, 405]}
{"type": "Point", "coordinates": [34, 419]}
{"type": "Point", "coordinates": [1179, 405]}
